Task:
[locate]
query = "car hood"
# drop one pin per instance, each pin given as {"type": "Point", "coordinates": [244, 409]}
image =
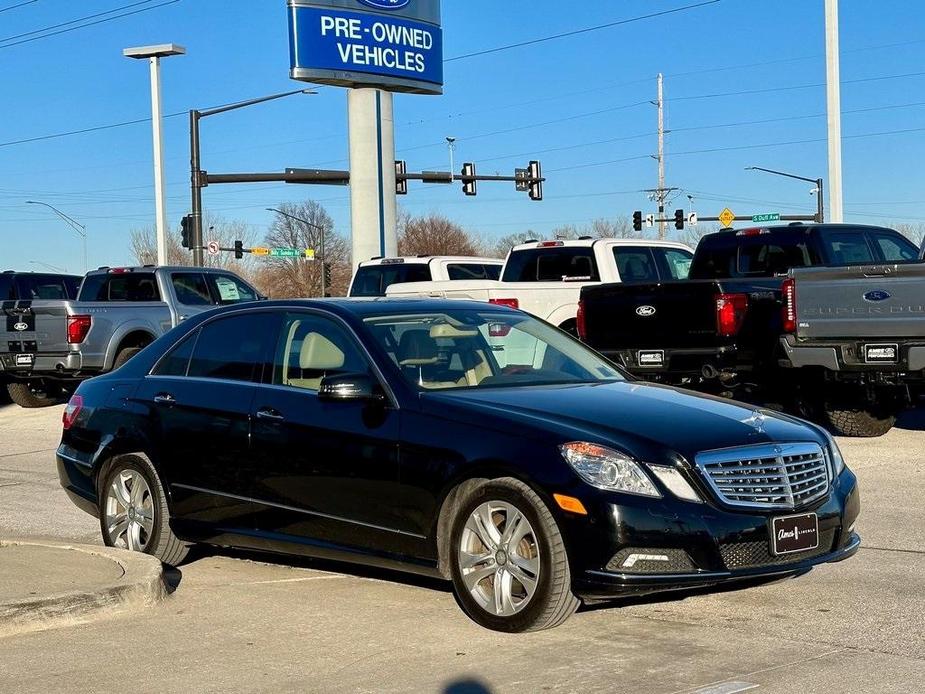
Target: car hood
{"type": "Point", "coordinates": [641, 417]}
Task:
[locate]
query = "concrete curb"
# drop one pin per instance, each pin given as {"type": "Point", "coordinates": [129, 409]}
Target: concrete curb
{"type": "Point", "coordinates": [140, 585]}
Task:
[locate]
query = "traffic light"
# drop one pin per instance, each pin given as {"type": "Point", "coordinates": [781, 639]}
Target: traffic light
{"type": "Point", "coordinates": [186, 231]}
{"type": "Point", "coordinates": [637, 221]}
{"type": "Point", "coordinates": [401, 183]}
{"type": "Point", "coordinates": [327, 274]}
{"type": "Point", "coordinates": [470, 185]}
{"type": "Point", "coordinates": [679, 219]}
{"type": "Point", "coordinates": [535, 172]}
{"type": "Point", "coordinates": [238, 250]}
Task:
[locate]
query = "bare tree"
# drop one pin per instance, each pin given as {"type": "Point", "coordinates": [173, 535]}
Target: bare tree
{"type": "Point", "coordinates": [913, 232]}
{"type": "Point", "coordinates": [506, 243]}
{"type": "Point", "coordinates": [620, 228]}
{"type": "Point", "coordinates": [434, 234]}
{"type": "Point", "coordinates": [692, 235]}
{"type": "Point", "coordinates": [301, 277]}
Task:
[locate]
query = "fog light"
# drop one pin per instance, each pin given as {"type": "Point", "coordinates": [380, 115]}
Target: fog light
{"type": "Point", "coordinates": [631, 560]}
{"type": "Point", "coordinates": [651, 560]}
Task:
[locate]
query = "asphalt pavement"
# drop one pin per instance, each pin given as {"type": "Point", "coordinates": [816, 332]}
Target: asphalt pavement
{"type": "Point", "coordinates": [243, 622]}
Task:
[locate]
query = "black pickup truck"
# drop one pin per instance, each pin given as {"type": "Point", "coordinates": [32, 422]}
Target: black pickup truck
{"type": "Point", "coordinates": [828, 319]}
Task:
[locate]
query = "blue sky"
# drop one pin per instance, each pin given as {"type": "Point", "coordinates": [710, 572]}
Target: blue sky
{"type": "Point", "coordinates": [576, 103]}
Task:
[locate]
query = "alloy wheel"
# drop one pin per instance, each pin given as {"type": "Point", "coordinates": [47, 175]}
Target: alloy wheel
{"type": "Point", "coordinates": [499, 558]}
{"type": "Point", "coordinates": [129, 511]}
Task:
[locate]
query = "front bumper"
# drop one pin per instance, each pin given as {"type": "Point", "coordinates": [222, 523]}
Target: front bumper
{"type": "Point", "coordinates": [706, 544]}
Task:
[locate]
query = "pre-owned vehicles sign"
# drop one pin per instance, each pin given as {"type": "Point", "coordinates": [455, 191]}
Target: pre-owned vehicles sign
{"type": "Point", "coordinates": [395, 45]}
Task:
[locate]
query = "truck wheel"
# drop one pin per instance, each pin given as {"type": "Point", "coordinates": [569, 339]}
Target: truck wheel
{"type": "Point", "coordinates": [124, 356]}
{"type": "Point", "coordinates": [858, 422]}
{"type": "Point", "coordinates": [31, 394]}
{"type": "Point", "coordinates": [571, 327]}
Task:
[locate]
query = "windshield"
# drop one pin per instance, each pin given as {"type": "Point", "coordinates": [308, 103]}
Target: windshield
{"type": "Point", "coordinates": [474, 349]}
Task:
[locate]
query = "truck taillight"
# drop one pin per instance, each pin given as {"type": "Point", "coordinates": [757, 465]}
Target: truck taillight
{"type": "Point", "coordinates": [789, 308]}
{"type": "Point", "coordinates": [510, 303]}
{"type": "Point", "coordinates": [580, 321]}
{"type": "Point", "coordinates": [730, 312]}
{"type": "Point", "coordinates": [77, 328]}
{"type": "Point", "coordinates": [74, 406]}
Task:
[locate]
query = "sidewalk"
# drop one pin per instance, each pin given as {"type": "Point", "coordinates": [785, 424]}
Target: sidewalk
{"type": "Point", "coordinates": [46, 584]}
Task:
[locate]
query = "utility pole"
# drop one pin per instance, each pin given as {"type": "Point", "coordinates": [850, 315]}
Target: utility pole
{"type": "Point", "coordinates": [661, 194]}
{"type": "Point", "coordinates": [833, 104]}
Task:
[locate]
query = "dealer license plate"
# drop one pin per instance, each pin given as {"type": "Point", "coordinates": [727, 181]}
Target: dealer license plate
{"type": "Point", "coordinates": [881, 354]}
{"type": "Point", "coordinates": [794, 533]}
{"type": "Point", "coordinates": [652, 357]}
{"type": "Point", "coordinates": [25, 359]}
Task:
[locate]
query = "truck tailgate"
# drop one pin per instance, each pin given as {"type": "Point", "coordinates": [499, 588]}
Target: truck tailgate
{"type": "Point", "coordinates": [860, 302]}
{"type": "Point", "coordinates": [645, 316]}
{"type": "Point", "coordinates": [32, 328]}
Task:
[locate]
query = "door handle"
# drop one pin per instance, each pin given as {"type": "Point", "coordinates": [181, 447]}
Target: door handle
{"type": "Point", "coordinates": [165, 399]}
{"type": "Point", "coordinates": [269, 414]}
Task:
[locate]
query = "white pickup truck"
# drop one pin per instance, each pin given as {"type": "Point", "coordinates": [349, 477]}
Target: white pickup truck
{"type": "Point", "coordinates": [545, 277]}
{"type": "Point", "coordinates": [374, 277]}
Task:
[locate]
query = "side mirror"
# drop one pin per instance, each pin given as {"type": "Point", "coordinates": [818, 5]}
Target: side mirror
{"type": "Point", "coordinates": [347, 387]}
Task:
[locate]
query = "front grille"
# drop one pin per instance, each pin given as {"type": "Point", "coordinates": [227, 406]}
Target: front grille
{"type": "Point", "coordinates": [781, 476]}
{"type": "Point", "coordinates": [747, 555]}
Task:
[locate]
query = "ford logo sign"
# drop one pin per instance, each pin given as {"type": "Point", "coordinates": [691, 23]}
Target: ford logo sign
{"type": "Point", "coordinates": [645, 311]}
{"type": "Point", "coordinates": [877, 295]}
{"type": "Point", "coordinates": [19, 327]}
{"type": "Point", "coordinates": [386, 4]}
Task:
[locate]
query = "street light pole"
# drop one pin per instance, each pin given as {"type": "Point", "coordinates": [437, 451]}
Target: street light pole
{"type": "Point", "coordinates": [198, 177]}
{"type": "Point", "coordinates": [820, 201]}
{"type": "Point", "coordinates": [71, 222]}
{"type": "Point", "coordinates": [833, 108]}
{"type": "Point", "coordinates": [315, 226]}
{"type": "Point", "coordinates": [154, 55]}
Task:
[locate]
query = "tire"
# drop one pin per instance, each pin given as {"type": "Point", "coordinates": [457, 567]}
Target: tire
{"type": "Point", "coordinates": [124, 355]}
{"type": "Point", "coordinates": [540, 557]}
{"type": "Point", "coordinates": [857, 422]}
{"type": "Point", "coordinates": [31, 395]}
{"type": "Point", "coordinates": [137, 519]}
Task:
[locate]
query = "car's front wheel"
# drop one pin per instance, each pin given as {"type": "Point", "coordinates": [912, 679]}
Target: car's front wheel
{"type": "Point", "coordinates": [509, 564]}
{"type": "Point", "coordinates": [134, 513]}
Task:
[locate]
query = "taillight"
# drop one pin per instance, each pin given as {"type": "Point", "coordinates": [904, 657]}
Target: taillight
{"type": "Point", "coordinates": [789, 308]}
{"type": "Point", "coordinates": [510, 303]}
{"type": "Point", "coordinates": [580, 321]}
{"type": "Point", "coordinates": [730, 312]}
{"type": "Point", "coordinates": [77, 328]}
{"type": "Point", "coordinates": [74, 406]}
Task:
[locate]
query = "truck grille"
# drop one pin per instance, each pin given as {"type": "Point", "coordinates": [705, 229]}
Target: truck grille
{"type": "Point", "coordinates": [769, 476]}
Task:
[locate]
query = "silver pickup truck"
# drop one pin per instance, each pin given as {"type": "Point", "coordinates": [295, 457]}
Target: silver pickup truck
{"type": "Point", "coordinates": [118, 312]}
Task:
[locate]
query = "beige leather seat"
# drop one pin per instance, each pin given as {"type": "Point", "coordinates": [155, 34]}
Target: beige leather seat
{"type": "Point", "coordinates": [316, 356]}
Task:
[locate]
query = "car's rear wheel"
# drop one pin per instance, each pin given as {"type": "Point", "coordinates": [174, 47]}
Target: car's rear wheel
{"type": "Point", "coordinates": [134, 513]}
{"type": "Point", "coordinates": [509, 564]}
{"type": "Point", "coordinates": [33, 394]}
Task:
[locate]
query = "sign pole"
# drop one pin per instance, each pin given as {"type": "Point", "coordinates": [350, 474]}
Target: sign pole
{"type": "Point", "coordinates": [372, 174]}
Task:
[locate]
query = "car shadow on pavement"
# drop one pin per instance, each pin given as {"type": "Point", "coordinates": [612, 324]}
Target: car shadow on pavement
{"type": "Point", "coordinates": [912, 420]}
{"type": "Point", "coordinates": [466, 687]}
{"type": "Point", "coordinates": [328, 566]}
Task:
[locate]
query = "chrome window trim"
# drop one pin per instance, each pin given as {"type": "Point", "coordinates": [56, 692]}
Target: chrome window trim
{"type": "Point", "coordinates": [777, 451]}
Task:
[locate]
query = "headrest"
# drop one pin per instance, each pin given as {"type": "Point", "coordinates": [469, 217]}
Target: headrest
{"type": "Point", "coordinates": [319, 354]}
{"type": "Point", "coordinates": [417, 348]}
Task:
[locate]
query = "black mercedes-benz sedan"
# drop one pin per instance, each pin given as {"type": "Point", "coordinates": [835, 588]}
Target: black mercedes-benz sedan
{"type": "Point", "coordinates": [460, 440]}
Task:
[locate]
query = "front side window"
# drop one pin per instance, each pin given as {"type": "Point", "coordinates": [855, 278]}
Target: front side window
{"type": "Point", "coordinates": [846, 247]}
{"type": "Point", "coordinates": [676, 262]}
{"type": "Point", "coordinates": [895, 248]}
{"type": "Point", "coordinates": [233, 348]}
{"type": "Point", "coordinates": [472, 349]}
{"type": "Point", "coordinates": [230, 290]}
{"type": "Point", "coordinates": [311, 348]}
{"type": "Point", "coordinates": [769, 258]}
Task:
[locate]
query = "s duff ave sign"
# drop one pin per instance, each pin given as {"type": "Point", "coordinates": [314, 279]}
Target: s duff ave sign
{"type": "Point", "coordinates": [395, 45]}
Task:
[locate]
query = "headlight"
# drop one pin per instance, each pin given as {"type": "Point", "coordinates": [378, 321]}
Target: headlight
{"type": "Point", "coordinates": [838, 462]}
{"type": "Point", "coordinates": [605, 468]}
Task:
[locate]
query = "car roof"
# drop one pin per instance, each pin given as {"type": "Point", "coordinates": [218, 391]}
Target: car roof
{"type": "Point", "coordinates": [376, 305]}
{"type": "Point", "coordinates": [587, 243]}
{"type": "Point", "coordinates": [151, 268]}
{"type": "Point", "coordinates": [797, 227]}
{"type": "Point", "coordinates": [426, 259]}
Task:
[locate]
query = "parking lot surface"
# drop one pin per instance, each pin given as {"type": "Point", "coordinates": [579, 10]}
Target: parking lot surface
{"type": "Point", "coordinates": [239, 622]}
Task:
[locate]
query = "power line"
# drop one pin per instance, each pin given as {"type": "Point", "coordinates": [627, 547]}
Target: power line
{"type": "Point", "coordinates": [72, 21]}
{"type": "Point", "coordinates": [576, 32]}
{"type": "Point", "coordinates": [21, 4]}
{"type": "Point", "coordinates": [84, 26]}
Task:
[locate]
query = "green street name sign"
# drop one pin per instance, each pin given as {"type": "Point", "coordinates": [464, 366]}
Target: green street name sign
{"type": "Point", "coordinates": [286, 252]}
{"type": "Point", "coordinates": [769, 217]}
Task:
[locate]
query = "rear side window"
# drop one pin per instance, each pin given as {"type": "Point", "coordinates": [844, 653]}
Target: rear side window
{"type": "Point", "coordinates": [762, 255]}
{"type": "Point", "coordinates": [894, 247]}
{"type": "Point", "coordinates": [176, 362]}
{"type": "Point", "coordinates": [233, 348]}
{"type": "Point", "coordinates": [191, 289]}
{"type": "Point", "coordinates": [635, 264]}
{"type": "Point", "coordinates": [120, 287]}
{"type": "Point", "coordinates": [562, 264]}
{"type": "Point", "coordinates": [772, 257]}
{"type": "Point", "coordinates": [38, 287]}
{"type": "Point", "coordinates": [373, 280]}
{"type": "Point", "coordinates": [6, 288]}
{"type": "Point", "coordinates": [473, 271]}
{"type": "Point", "coordinates": [846, 247]}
